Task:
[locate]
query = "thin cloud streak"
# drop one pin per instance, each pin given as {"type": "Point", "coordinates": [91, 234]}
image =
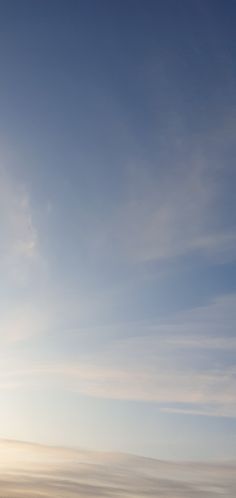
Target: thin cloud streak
{"type": "Point", "coordinates": [169, 363]}
{"type": "Point", "coordinates": [19, 239]}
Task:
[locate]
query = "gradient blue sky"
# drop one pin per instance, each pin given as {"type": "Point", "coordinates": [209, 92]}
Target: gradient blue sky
{"type": "Point", "coordinates": [117, 215]}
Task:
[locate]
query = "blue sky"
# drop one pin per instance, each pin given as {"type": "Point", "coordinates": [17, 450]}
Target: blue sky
{"type": "Point", "coordinates": [117, 214]}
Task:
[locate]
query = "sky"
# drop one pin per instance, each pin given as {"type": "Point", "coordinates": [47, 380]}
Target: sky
{"type": "Point", "coordinates": [117, 228]}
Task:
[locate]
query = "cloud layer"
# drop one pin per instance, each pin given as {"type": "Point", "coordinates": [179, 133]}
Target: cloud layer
{"type": "Point", "coordinates": [29, 470]}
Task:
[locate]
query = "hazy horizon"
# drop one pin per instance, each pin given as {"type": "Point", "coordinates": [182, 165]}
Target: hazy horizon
{"type": "Point", "coordinates": [32, 470]}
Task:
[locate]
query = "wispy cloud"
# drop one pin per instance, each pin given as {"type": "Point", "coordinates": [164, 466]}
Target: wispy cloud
{"type": "Point", "coordinates": [211, 392]}
{"type": "Point", "coordinates": [19, 237]}
{"type": "Point", "coordinates": [34, 470]}
{"type": "Point", "coordinates": [19, 322]}
{"type": "Point", "coordinates": [183, 364]}
{"type": "Point", "coordinates": [175, 206]}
